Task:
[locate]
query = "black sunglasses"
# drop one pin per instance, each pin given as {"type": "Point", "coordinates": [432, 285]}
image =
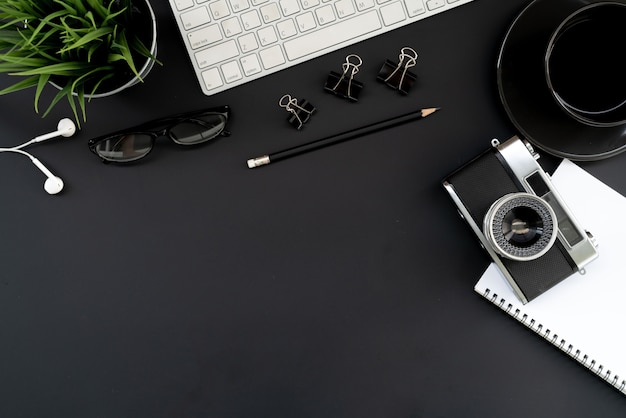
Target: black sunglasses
{"type": "Point", "coordinates": [191, 128]}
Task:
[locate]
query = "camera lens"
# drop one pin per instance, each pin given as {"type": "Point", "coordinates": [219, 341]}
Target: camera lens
{"type": "Point", "coordinates": [520, 226]}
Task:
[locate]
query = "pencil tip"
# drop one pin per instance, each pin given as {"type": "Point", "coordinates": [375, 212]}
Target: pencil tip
{"type": "Point", "coordinates": [429, 111]}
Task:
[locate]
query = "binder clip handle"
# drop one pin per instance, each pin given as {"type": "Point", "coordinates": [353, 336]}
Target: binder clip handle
{"type": "Point", "coordinates": [398, 76]}
{"type": "Point", "coordinates": [351, 67]}
{"type": "Point", "coordinates": [344, 84]}
{"type": "Point", "coordinates": [300, 113]}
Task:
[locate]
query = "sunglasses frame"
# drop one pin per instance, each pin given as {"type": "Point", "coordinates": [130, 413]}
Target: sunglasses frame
{"type": "Point", "coordinates": [164, 125]}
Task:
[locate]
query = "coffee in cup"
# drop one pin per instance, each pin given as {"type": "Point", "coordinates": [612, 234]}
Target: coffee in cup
{"type": "Point", "coordinates": [585, 65]}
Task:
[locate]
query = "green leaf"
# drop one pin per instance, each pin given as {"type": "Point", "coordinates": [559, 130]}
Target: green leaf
{"type": "Point", "coordinates": [103, 79]}
{"type": "Point", "coordinates": [113, 15]}
{"type": "Point", "coordinates": [13, 21]}
{"type": "Point", "coordinates": [92, 50]}
{"type": "Point", "coordinates": [20, 85]}
{"type": "Point", "coordinates": [141, 48]}
{"type": "Point", "coordinates": [96, 6]}
{"type": "Point", "coordinates": [42, 43]}
{"type": "Point", "coordinates": [89, 37]}
{"type": "Point", "coordinates": [64, 92]}
{"type": "Point", "coordinates": [115, 57]}
{"type": "Point", "coordinates": [122, 46]}
{"type": "Point", "coordinates": [90, 18]}
{"type": "Point", "coordinates": [57, 98]}
{"type": "Point", "coordinates": [61, 69]}
{"type": "Point", "coordinates": [78, 24]}
{"type": "Point", "coordinates": [25, 62]}
{"type": "Point", "coordinates": [67, 6]}
{"type": "Point", "coordinates": [41, 83]}
{"type": "Point", "coordinates": [9, 36]}
{"type": "Point", "coordinates": [43, 24]}
{"type": "Point", "coordinates": [81, 102]}
{"type": "Point", "coordinates": [79, 81]}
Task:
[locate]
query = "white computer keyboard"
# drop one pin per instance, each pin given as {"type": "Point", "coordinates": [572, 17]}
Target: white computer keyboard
{"type": "Point", "coordinates": [231, 42]}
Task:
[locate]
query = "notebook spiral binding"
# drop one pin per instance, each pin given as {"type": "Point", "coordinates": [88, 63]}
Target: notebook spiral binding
{"type": "Point", "coordinates": [553, 339]}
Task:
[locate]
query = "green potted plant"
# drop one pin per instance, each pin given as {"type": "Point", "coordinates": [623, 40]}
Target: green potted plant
{"type": "Point", "coordinates": [84, 48]}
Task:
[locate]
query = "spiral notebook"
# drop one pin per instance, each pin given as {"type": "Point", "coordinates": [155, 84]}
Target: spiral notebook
{"type": "Point", "coordinates": [583, 315]}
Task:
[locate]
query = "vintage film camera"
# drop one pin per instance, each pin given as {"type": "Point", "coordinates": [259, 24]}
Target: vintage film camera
{"type": "Point", "coordinates": [520, 219]}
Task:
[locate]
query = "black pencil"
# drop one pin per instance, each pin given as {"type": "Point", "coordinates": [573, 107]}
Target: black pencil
{"type": "Point", "coordinates": [335, 139]}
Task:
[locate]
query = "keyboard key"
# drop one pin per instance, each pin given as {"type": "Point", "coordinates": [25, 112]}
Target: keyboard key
{"type": "Point", "coordinates": [194, 18]}
{"type": "Point", "coordinates": [219, 9]}
{"type": "Point", "coordinates": [364, 4]}
{"type": "Point", "coordinates": [329, 36]}
{"type": "Point", "coordinates": [231, 26]}
{"type": "Point", "coordinates": [204, 36]}
{"type": "Point", "coordinates": [239, 5]}
{"type": "Point", "coordinates": [289, 7]}
{"type": "Point", "coordinates": [183, 4]}
{"type": "Point", "coordinates": [250, 20]}
{"type": "Point", "coordinates": [325, 14]}
{"type": "Point", "coordinates": [212, 79]}
{"type": "Point", "coordinates": [306, 21]}
{"type": "Point", "coordinates": [251, 65]}
{"type": "Point", "coordinates": [214, 54]}
{"type": "Point", "coordinates": [272, 57]}
{"type": "Point", "coordinates": [248, 43]}
{"type": "Point", "coordinates": [286, 29]}
{"type": "Point", "coordinates": [267, 36]}
{"type": "Point", "coordinates": [270, 12]}
{"type": "Point", "coordinates": [307, 4]}
{"type": "Point", "coordinates": [344, 8]}
{"type": "Point", "coordinates": [435, 4]}
{"type": "Point", "coordinates": [231, 72]}
{"type": "Point", "coordinates": [392, 13]}
{"type": "Point", "coordinates": [414, 7]}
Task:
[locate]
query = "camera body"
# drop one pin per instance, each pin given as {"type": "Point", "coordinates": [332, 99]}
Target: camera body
{"type": "Point", "coordinates": [520, 219]}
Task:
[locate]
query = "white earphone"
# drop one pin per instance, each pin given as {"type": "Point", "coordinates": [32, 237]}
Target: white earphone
{"type": "Point", "coordinates": [53, 184]}
{"type": "Point", "coordinates": [65, 128]}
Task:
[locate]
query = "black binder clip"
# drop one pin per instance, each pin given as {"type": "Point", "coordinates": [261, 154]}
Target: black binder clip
{"type": "Point", "coordinates": [398, 76]}
{"type": "Point", "coordinates": [300, 113]}
{"type": "Point", "coordinates": [344, 85]}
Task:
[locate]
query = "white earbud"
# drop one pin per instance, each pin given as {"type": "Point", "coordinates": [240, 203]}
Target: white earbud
{"type": "Point", "coordinates": [53, 184]}
{"type": "Point", "coordinates": [66, 128]}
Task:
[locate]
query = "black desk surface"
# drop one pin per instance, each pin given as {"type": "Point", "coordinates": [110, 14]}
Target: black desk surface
{"type": "Point", "coordinates": [335, 284]}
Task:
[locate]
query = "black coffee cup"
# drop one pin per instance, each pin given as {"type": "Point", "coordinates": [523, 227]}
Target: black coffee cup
{"type": "Point", "coordinates": [585, 67]}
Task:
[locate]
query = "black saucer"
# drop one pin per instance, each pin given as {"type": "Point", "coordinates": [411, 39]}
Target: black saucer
{"type": "Point", "coordinates": [524, 91]}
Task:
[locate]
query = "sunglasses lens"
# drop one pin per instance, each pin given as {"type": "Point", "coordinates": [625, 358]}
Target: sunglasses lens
{"type": "Point", "coordinates": [124, 148]}
{"type": "Point", "coordinates": [198, 129]}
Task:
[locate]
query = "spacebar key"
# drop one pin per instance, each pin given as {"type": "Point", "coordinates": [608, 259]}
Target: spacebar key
{"type": "Point", "coordinates": [332, 35]}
